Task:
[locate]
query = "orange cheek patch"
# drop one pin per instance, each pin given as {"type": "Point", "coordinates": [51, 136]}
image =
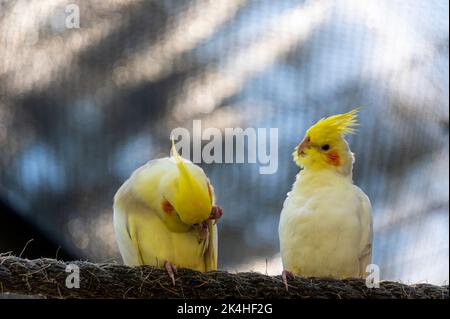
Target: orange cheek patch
{"type": "Point", "coordinates": [333, 159]}
{"type": "Point", "coordinates": [167, 207]}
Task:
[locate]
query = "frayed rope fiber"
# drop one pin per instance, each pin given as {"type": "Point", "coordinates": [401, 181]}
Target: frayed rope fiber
{"type": "Point", "coordinates": [46, 278]}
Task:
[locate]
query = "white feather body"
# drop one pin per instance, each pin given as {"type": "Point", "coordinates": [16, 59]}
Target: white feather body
{"type": "Point", "coordinates": [325, 226]}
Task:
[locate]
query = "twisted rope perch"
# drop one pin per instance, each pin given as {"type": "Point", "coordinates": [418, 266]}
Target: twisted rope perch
{"type": "Point", "coordinates": [47, 277]}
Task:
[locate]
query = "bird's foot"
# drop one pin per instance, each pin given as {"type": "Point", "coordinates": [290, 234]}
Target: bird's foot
{"type": "Point", "coordinates": [204, 231]}
{"type": "Point", "coordinates": [216, 213]}
{"type": "Point", "coordinates": [285, 275]}
{"type": "Point", "coordinates": [171, 270]}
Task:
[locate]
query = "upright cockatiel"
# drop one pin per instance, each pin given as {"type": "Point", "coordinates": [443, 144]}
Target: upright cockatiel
{"type": "Point", "coordinates": [325, 226]}
{"type": "Point", "coordinates": [164, 216]}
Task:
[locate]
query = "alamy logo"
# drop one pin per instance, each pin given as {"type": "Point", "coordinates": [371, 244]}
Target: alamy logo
{"type": "Point", "coordinates": [73, 279]}
{"type": "Point", "coordinates": [262, 146]}
{"type": "Point", "coordinates": [72, 16]}
{"type": "Point", "coordinates": [373, 278]}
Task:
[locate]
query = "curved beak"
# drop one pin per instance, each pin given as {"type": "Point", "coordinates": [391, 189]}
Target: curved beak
{"type": "Point", "coordinates": [302, 146]}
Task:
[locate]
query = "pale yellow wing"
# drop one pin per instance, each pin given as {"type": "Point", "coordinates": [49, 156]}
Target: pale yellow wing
{"type": "Point", "coordinates": [211, 251]}
{"type": "Point", "coordinates": [128, 246]}
{"type": "Point", "coordinates": [365, 255]}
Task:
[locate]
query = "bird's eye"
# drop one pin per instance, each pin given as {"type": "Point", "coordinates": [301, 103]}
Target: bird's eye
{"type": "Point", "coordinates": [325, 147]}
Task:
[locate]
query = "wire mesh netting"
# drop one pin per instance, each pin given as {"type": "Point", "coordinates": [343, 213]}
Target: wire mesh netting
{"type": "Point", "coordinates": [81, 108]}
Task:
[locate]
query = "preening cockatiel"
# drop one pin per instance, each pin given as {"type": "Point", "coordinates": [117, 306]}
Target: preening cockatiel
{"type": "Point", "coordinates": [325, 225]}
{"type": "Point", "coordinates": [164, 216]}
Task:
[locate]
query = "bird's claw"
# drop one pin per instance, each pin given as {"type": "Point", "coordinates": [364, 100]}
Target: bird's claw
{"type": "Point", "coordinates": [204, 231]}
{"type": "Point", "coordinates": [285, 275]}
{"type": "Point", "coordinates": [216, 213]}
{"type": "Point", "coordinates": [171, 270]}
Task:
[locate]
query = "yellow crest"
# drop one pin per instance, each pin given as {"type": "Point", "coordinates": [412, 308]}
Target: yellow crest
{"type": "Point", "coordinates": [334, 126]}
{"type": "Point", "coordinates": [191, 200]}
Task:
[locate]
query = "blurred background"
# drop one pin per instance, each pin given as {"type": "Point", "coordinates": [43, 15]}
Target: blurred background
{"type": "Point", "coordinates": [81, 108]}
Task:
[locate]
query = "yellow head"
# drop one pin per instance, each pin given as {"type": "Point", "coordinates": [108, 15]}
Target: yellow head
{"type": "Point", "coordinates": [192, 198]}
{"type": "Point", "coordinates": [324, 146]}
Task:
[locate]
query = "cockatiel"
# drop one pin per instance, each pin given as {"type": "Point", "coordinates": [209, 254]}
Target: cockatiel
{"type": "Point", "coordinates": [325, 227]}
{"type": "Point", "coordinates": [164, 216]}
